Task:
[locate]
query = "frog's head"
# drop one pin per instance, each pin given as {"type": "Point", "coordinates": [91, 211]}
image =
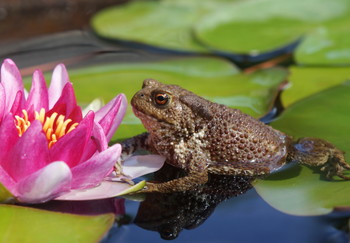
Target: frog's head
{"type": "Point", "coordinates": [161, 105]}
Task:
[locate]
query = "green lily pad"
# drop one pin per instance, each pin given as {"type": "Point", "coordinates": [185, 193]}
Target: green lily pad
{"type": "Point", "coordinates": [260, 26]}
{"type": "Point", "coordinates": [305, 81]}
{"type": "Point", "coordinates": [23, 224]}
{"type": "Point", "coordinates": [328, 44]}
{"type": "Point", "coordinates": [155, 23]}
{"type": "Point", "coordinates": [213, 78]}
{"type": "Point", "coordinates": [300, 190]}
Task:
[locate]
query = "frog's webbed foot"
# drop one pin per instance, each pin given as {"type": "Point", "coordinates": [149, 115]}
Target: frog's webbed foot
{"type": "Point", "coordinates": [335, 166]}
{"type": "Point", "coordinates": [118, 174]}
{"type": "Point", "coordinates": [320, 153]}
{"type": "Point", "coordinates": [129, 146]}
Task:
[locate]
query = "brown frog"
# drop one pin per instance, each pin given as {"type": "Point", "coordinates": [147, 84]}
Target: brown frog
{"type": "Point", "coordinates": [203, 137]}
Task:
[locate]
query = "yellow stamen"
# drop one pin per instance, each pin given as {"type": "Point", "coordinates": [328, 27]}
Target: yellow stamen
{"type": "Point", "coordinates": [54, 126]}
{"type": "Point", "coordinates": [72, 127]}
{"type": "Point", "coordinates": [49, 121]}
{"type": "Point", "coordinates": [40, 116]}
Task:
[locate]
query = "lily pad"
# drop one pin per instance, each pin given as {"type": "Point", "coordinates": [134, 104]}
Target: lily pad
{"type": "Point", "coordinates": [33, 225]}
{"type": "Point", "coordinates": [154, 23]}
{"type": "Point", "coordinates": [260, 26]}
{"type": "Point", "coordinates": [328, 44]}
{"type": "Point", "coordinates": [305, 81]}
{"type": "Point", "coordinates": [300, 190]}
{"type": "Point", "coordinates": [215, 79]}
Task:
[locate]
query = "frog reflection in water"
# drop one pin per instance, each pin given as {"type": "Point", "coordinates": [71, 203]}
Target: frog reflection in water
{"type": "Point", "coordinates": [170, 213]}
{"type": "Point", "coordinates": [203, 137]}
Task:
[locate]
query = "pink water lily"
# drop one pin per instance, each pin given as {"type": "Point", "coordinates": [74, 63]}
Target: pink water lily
{"type": "Point", "coordinates": [47, 147]}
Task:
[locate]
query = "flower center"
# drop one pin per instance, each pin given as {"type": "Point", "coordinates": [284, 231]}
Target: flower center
{"type": "Point", "coordinates": [54, 126]}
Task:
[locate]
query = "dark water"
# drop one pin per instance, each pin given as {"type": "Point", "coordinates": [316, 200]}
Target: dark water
{"type": "Point", "coordinates": [226, 209]}
{"type": "Point", "coordinates": [246, 219]}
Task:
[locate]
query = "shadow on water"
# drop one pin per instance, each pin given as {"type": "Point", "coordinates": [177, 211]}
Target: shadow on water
{"type": "Point", "coordinates": [215, 213]}
{"type": "Point", "coordinates": [170, 213]}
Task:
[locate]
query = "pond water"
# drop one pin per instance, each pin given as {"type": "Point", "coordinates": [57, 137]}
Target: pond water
{"type": "Point", "coordinates": [226, 209]}
{"type": "Point", "coordinates": [246, 218]}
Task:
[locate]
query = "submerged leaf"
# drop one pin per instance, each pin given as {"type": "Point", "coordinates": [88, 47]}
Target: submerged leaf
{"type": "Point", "coordinates": [300, 190]}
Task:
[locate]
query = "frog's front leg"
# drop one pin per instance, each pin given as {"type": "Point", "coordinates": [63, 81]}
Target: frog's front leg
{"type": "Point", "coordinates": [197, 175]}
{"type": "Point", "coordinates": [130, 146]}
{"type": "Point", "coordinates": [318, 152]}
{"type": "Point", "coordinates": [133, 144]}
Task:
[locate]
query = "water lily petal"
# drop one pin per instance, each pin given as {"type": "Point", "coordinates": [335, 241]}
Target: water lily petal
{"type": "Point", "coordinates": [99, 138]}
{"type": "Point", "coordinates": [76, 114]}
{"type": "Point", "coordinates": [38, 96]}
{"type": "Point", "coordinates": [140, 165]}
{"type": "Point", "coordinates": [92, 172]}
{"type": "Point", "coordinates": [67, 104]}
{"type": "Point", "coordinates": [95, 105]}
{"type": "Point", "coordinates": [88, 121]}
{"type": "Point", "coordinates": [8, 136]}
{"type": "Point", "coordinates": [2, 102]}
{"type": "Point", "coordinates": [12, 82]}
{"type": "Point", "coordinates": [111, 115]}
{"type": "Point", "coordinates": [29, 154]}
{"type": "Point", "coordinates": [7, 181]}
{"type": "Point", "coordinates": [18, 104]}
{"type": "Point", "coordinates": [106, 189]}
{"type": "Point", "coordinates": [58, 81]}
{"type": "Point", "coordinates": [45, 184]}
{"type": "Point", "coordinates": [97, 143]}
{"type": "Point", "coordinates": [70, 147]}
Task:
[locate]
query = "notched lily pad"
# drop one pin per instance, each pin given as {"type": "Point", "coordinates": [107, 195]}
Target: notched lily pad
{"type": "Point", "coordinates": [300, 190]}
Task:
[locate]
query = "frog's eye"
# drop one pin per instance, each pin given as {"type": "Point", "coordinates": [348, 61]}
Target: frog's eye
{"type": "Point", "coordinates": [161, 99]}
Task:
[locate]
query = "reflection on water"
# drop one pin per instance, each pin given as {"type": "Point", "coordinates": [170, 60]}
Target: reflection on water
{"type": "Point", "coordinates": [170, 213]}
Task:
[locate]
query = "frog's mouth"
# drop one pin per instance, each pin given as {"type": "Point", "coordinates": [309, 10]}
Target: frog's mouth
{"type": "Point", "coordinates": [148, 120]}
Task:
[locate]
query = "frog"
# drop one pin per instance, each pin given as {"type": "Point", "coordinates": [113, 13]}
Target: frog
{"type": "Point", "coordinates": [202, 137]}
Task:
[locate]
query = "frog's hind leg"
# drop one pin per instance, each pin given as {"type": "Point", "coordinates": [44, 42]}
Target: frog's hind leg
{"type": "Point", "coordinates": [320, 153]}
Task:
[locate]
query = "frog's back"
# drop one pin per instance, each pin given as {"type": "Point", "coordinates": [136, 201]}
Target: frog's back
{"type": "Point", "coordinates": [240, 144]}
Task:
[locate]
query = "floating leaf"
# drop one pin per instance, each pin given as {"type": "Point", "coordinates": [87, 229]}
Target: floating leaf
{"type": "Point", "coordinates": [213, 78]}
{"type": "Point", "coordinates": [151, 22]}
{"type": "Point", "coordinates": [23, 224]}
{"type": "Point", "coordinates": [260, 26]}
{"type": "Point", "coordinates": [300, 190]}
{"type": "Point", "coordinates": [305, 81]}
{"type": "Point", "coordinates": [328, 44]}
